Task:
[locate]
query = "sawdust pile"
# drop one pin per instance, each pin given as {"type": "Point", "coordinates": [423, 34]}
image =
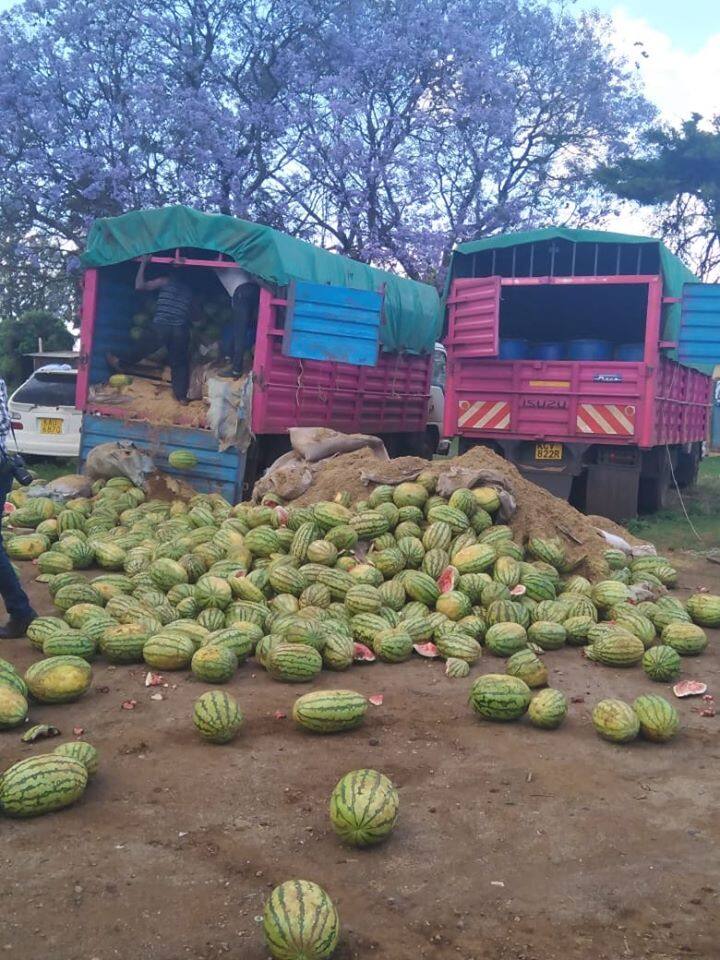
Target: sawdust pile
{"type": "Point", "coordinates": [538, 513]}
{"type": "Point", "coordinates": [151, 401]}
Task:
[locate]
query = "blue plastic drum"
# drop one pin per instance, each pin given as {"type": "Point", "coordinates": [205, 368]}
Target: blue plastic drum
{"type": "Point", "coordinates": [590, 350]}
{"type": "Point", "coordinates": [630, 352]}
{"type": "Point", "coordinates": [551, 350]}
{"type": "Point", "coordinates": [511, 349]}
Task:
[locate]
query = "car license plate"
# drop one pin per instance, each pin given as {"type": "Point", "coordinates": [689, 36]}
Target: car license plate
{"type": "Point", "coordinates": [50, 425]}
{"type": "Point", "coordinates": [548, 451]}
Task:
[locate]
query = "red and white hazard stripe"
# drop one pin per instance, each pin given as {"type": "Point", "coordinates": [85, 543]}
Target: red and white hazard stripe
{"type": "Point", "coordinates": [484, 415]}
{"type": "Point", "coordinates": [608, 419]}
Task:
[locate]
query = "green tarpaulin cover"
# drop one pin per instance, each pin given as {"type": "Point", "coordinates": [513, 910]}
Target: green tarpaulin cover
{"type": "Point", "coordinates": [674, 272]}
{"type": "Point", "coordinates": [412, 309]}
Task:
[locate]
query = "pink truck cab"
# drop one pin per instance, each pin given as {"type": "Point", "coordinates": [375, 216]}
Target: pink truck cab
{"type": "Point", "coordinates": [585, 359]}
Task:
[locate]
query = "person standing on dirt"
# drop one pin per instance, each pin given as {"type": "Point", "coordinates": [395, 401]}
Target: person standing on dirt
{"type": "Point", "coordinates": [17, 604]}
{"type": "Point", "coordinates": [244, 295]}
{"type": "Point", "coordinates": [170, 328]}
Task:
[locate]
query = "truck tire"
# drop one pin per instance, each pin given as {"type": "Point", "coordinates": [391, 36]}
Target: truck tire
{"type": "Point", "coordinates": [654, 491]}
{"type": "Point", "coordinates": [686, 472]}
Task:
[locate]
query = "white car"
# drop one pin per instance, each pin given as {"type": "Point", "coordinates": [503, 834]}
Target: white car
{"type": "Point", "coordinates": [43, 413]}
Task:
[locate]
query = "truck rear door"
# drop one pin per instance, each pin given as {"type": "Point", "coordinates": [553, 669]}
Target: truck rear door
{"type": "Point", "coordinates": [473, 314]}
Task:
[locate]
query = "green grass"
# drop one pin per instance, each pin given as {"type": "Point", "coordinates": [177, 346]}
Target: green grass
{"type": "Point", "coordinates": [670, 528]}
{"type": "Point", "coordinates": [51, 468]}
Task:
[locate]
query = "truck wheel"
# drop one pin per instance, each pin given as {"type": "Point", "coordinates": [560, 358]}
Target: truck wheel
{"type": "Point", "coordinates": [654, 491]}
{"type": "Point", "coordinates": [686, 472]}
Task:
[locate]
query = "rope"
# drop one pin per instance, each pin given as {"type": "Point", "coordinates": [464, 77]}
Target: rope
{"type": "Point", "coordinates": [680, 497]}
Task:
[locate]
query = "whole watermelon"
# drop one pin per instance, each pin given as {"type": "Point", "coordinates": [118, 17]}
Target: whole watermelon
{"type": "Point", "coordinates": [364, 807]}
{"type": "Point", "coordinates": [496, 696]}
{"type": "Point", "coordinates": [300, 922]}
{"type": "Point", "coordinates": [615, 721]}
{"type": "Point", "coordinates": [659, 720]}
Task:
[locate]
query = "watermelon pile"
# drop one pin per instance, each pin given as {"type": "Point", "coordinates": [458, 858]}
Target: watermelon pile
{"type": "Point", "coordinates": [203, 585]}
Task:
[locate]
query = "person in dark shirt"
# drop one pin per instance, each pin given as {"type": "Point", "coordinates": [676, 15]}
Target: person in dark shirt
{"type": "Point", "coordinates": [170, 328]}
{"type": "Point", "coordinates": [20, 613]}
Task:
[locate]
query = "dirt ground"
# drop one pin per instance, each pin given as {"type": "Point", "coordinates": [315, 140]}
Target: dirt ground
{"type": "Point", "coordinates": [513, 843]}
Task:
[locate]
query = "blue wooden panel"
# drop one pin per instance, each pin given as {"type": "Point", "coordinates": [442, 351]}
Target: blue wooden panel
{"type": "Point", "coordinates": [332, 323]}
{"type": "Point", "coordinates": [699, 341]}
{"type": "Point", "coordinates": [215, 472]}
{"type": "Point", "coordinates": [116, 305]}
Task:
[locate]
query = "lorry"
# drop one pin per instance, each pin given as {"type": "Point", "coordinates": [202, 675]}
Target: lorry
{"type": "Point", "coordinates": [338, 343]}
{"type": "Point", "coordinates": [584, 358]}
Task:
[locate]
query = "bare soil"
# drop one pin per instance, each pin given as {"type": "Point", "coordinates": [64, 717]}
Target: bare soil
{"type": "Point", "coordinates": [513, 843]}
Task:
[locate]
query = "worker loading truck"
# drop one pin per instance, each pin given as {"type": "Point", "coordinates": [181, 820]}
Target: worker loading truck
{"type": "Point", "coordinates": [585, 359]}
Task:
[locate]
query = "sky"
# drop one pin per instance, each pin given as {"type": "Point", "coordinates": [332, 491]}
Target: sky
{"type": "Point", "coordinates": [682, 40]}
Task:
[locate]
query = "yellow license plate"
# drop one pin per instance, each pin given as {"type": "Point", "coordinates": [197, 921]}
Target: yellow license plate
{"type": "Point", "coordinates": [548, 451]}
{"type": "Point", "coordinates": [50, 425]}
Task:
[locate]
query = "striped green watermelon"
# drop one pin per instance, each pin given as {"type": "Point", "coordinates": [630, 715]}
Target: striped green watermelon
{"type": "Point", "coordinates": [75, 593]}
{"type": "Point", "coordinates": [616, 721]}
{"type": "Point", "coordinates": [617, 649]}
{"type": "Point", "coordinates": [212, 592]}
{"type": "Point", "coordinates": [393, 645]}
{"type": "Point", "coordinates": [487, 498]}
{"type": "Point", "coordinates": [687, 639]}
{"type": "Point", "coordinates": [456, 669]}
{"type": "Point", "coordinates": [168, 652]}
{"type": "Point", "coordinates": [217, 716]}
{"type": "Point", "coordinates": [526, 665]}
{"type": "Point", "coordinates": [548, 550]}
{"type": "Point", "coordinates": [538, 586]}
{"type": "Point", "coordinates": [330, 711]}
{"type": "Point", "coordinates": [300, 922]}
{"type": "Point", "coordinates": [13, 705]}
{"type": "Point", "coordinates": [577, 630]}
{"type": "Point", "coordinates": [241, 639]}
{"type": "Point", "coordinates": [363, 599]}
{"type": "Point", "coordinates": [507, 611]}
{"type": "Point", "coordinates": [419, 586]}
{"type": "Point", "coordinates": [474, 559]}
{"type": "Point", "coordinates": [59, 679]}
{"type": "Point", "coordinates": [437, 536]}
{"type": "Point", "coordinates": [183, 460]}
{"type": "Point", "coordinates": [704, 608]}
{"type": "Point", "coordinates": [338, 582]}
{"type": "Point", "coordinates": [72, 643]}
{"type": "Point", "coordinates": [504, 639]}
{"type": "Point", "coordinates": [458, 646]}
{"type": "Point", "coordinates": [214, 664]}
{"type": "Point", "coordinates": [547, 634]}
{"type": "Point", "coordinates": [80, 750]}
{"type": "Point", "coordinates": [635, 623]}
{"type": "Point", "coordinates": [609, 593]}
{"type": "Point", "coordinates": [496, 696]}
{"type": "Point", "coordinates": [659, 720]}
{"type": "Point", "coordinates": [548, 709]}
{"type": "Point", "coordinates": [662, 663]}
{"type": "Point", "coordinates": [364, 808]}
{"type": "Point", "coordinates": [41, 784]}
{"type": "Point", "coordinates": [124, 642]}
{"type": "Point", "coordinates": [42, 628]}
{"type": "Point", "coordinates": [294, 663]}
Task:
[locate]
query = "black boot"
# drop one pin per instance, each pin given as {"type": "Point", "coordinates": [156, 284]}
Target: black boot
{"type": "Point", "coordinates": [16, 628]}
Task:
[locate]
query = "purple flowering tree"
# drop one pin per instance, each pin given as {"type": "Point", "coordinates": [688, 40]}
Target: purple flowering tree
{"type": "Point", "coordinates": [387, 131]}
